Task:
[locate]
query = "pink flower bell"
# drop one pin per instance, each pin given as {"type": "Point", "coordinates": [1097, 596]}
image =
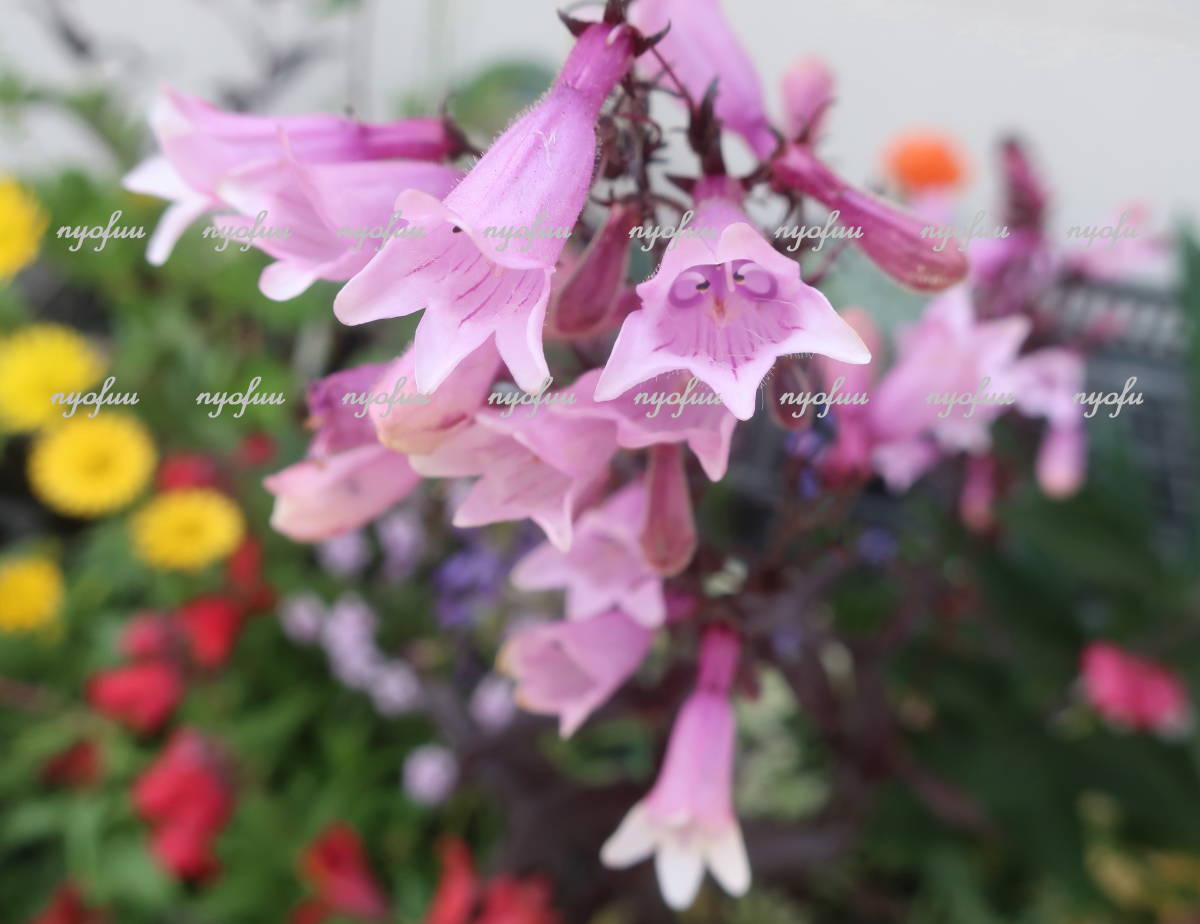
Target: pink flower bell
{"type": "Point", "coordinates": [349, 478]}
{"type": "Point", "coordinates": [687, 819]}
{"type": "Point", "coordinates": [202, 144]}
{"type": "Point", "coordinates": [541, 466]}
{"type": "Point", "coordinates": [700, 48]}
{"type": "Point", "coordinates": [326, 220]}
{"type": "Point", "coordinates": [483, 268]}
{"type": "Point", "coordinates": [807, 94]}
{"type": "Point", "coordinates": [724, 309]}
{"type": "Point", "coordinates": [1133, 692]}
{"type": "Point", "coordinates": [569, 669]}
{"type": "Point", "coordinates": [674, 408]}
{"type": "Point", "coordinates": [413, 423]}
{"type": "Point", "coordinates": [890, 237]}
{"type": "Point", "coordinates": [604, 567]}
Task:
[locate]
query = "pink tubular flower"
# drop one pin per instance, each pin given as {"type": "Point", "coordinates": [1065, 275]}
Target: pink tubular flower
{"type": "Point", "coordinates": [658, 415]}
{"type": "Point", "coordinates": [541, 467]}
{"type": "Point", "coordinates": [1134, 692]}
{"type": "Point", "coordinates": [605, 567]}
{"type": "Point", "coordinates": [201, 144]}
{"type": "Point", "coordinates": [1046, 382]}
{"type": "Point", "coordinates": [336, 865]}
{"type": "Point", "coordinates": [890, 237]}
{"type": "Point", "coordinates": [724, 310]}
{"type": "Point", "coordinates": [319, 498]}
{"type": "Point", "coordinates": [420, 426]}
{"type": "Point", "coordinates": [585, 298]}
{"type": "Point", "coordinates": [335, 216]}
{"type": "Point", "coordinates": [349, 478]}
{"type": "Point", "coordinates": [807, 93]}
{"type": "Point", "coordinates": [669, 532]}
{"type": "Point", "coordinates": [473, 281]}
{"type": "Point", "coordinates": [700, 48]}
{"type": "Point", "coordinates": [850, 456]}
{"type": "Point", "coordinates": [687, 819]}
{"type": "Point", "coordinates": [946, 354]}
{"type": "Point", "coordinates": [569, 669]}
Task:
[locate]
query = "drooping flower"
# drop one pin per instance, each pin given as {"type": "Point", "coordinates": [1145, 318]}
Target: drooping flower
{"type": "Point", "coordinates": [585, 297]}
{"type": "Point", "coordinates": [410, 422]}
{"type": "Point", "coordinates": [700, 48]}
{"type": "Point", "coordinates": [336, 865]}
{"type": "Point", "coordinates": [807, 95]}
{"type": "Point", "coordinates": [604, 568]}
{"type": "Point", "coordinates": [706, 426]}
{"type": "Point", "coordinates": [571, 668]}
{"type": "Point", "coordinates": [322, 497]}
{"type": "Point", "coordinates": [349, 478]}
{"type": "Point", "coordinates": [669, 536]}
{"type": "Point", "coordinates": [185, 798]}
{"type": "Point", "coordinates": [141, 696]}
{"type": "Point", "coordinates": [540, 466]}
{"type": "Point", "coordinates": [31, 593]}
{"type": "Point", "coordinates": [890, 237]}
{"type": "Point", "coordinates": [90, 466]}
{"type": "Point", "coordinates": [687, 819]}
{"type": "Point", "coordinates": [337, 214]}
{"type": "Point", "coordinates": [724, 309]}
{"type": "Point", "coordinates": [1046, 382]}
{"type": "Point", "coordinates": [186, 530]}
{"type": "Point", "coordinates": [531, 183]}
{"type": "Point", "coordinates": [201, 145]}
{"type": "Point", "coordinates": [22, 223]}
{"type": "Point", "coordinates": [38, 362]}
{"type": "Point", "coordinates": [1132, 691]}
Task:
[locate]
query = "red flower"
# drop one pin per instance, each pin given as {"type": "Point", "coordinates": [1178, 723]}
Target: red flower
{"type": "Point", "coordinates": [256, 449]}
{"type": "Point", "coordinates": [506, 900]}
{"type": "Point", "coordinates": [187, 470]}
{"type": "Point", "coordinates": [66, 907]}
{"type": "Point", "coordinates": [184, 797]}
{"type": "Point", "coordinates": [337, 866]}
{"type": "Point", "coordinates": [518, 901]}
{"type": "Point", "coordinates": [243, 571]}
{"type": "Point", "coordinates": [456, 891]}
{"type": "Point", "coordinates": [310, 911]}
{"type": "Point", "coordinates": [148, 635]}
{"type": "Point", "coordinates": [76, 765]}
{"type": "Point", "coordinates": [1133, 691]}
{"type": "Point", "coordinates": [211, 626]}
{"type": "Point", "coordinates": [140, 695]}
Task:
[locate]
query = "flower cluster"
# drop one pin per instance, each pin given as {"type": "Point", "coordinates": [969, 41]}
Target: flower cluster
{"type": "Point", "coordinates": [613, 489]}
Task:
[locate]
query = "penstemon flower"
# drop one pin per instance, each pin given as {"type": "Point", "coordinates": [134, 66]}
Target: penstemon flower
{"type": "Point", "coordinates": [724, 309]}
{"type": "Point", "coordinates": [687, 819]}
{"type": "Point", "coordinates": [535, 177]}
{"type": "Point", "coordinates": [201, 146]}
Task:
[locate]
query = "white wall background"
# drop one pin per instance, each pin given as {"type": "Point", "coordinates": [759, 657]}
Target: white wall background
{"type": "Point", "coordinates": [1106, 89]}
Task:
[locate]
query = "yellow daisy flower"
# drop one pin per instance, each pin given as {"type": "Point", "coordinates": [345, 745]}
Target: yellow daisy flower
{"type": "Point", "coordinates": [90, 466]}
{"type": "Point", "coordinates": [36, 363]}
{"type": "Point", "coordinates": [22, 224]}
{"type": "Point", "coordinates": [30, 594]}
{"type": "Point", "coordinates": [187, 529]}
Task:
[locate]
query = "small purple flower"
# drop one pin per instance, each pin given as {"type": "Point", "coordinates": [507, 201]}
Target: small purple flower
{"type": "Point", "coordinates": [467, 582]}
{"type": "Point", "coordinates": [430, 773]}
{"type": "Point", "coordinates": [402, 538]}
{"type": "Point", "coordinates": [345, 555]}
{"type": "Point", "coordinates": [492, 705]}
{"type": "Point", "coordinates": [301, 616]}
{"type": "Point", "coordinates": [395, 689]}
